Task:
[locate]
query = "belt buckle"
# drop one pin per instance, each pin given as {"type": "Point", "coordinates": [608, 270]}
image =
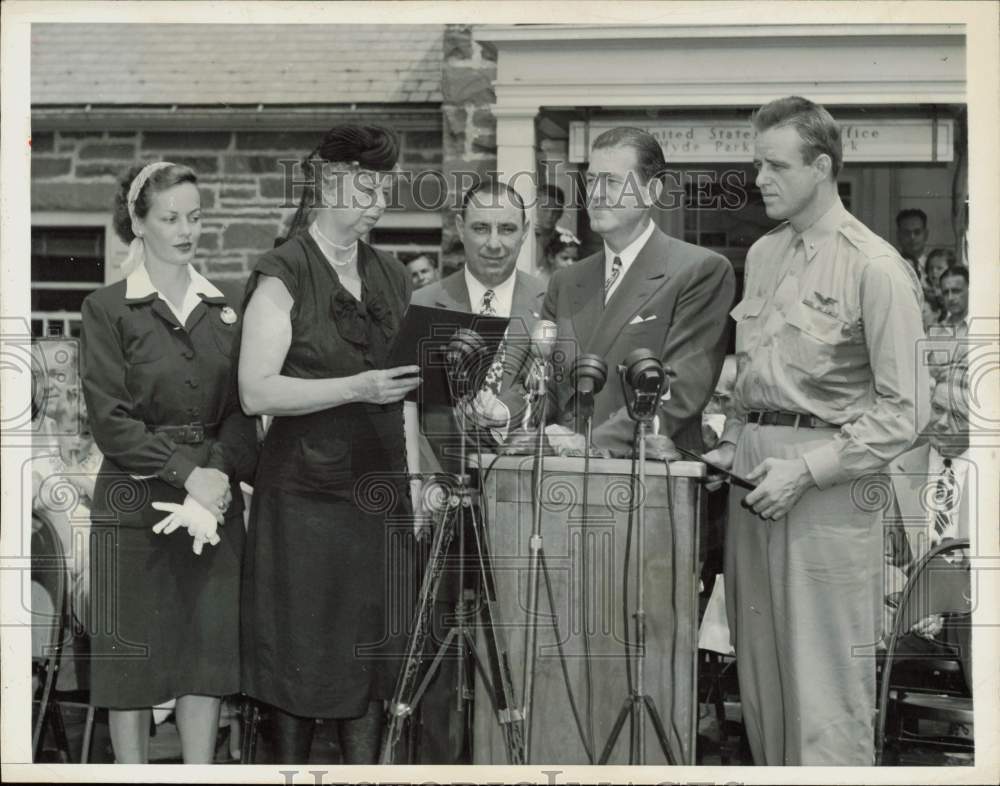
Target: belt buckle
{"type": "Point", "coordinates": [196, 432]}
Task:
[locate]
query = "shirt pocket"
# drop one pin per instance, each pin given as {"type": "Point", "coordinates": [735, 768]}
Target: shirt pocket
{"type": "Point", "coordinates": [747, 313]}
{"type": "Point", "coordinates": [821, 341]}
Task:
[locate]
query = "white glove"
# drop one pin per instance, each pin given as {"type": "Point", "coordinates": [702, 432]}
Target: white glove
{"type": "Point", "coordinates": [200, 523]}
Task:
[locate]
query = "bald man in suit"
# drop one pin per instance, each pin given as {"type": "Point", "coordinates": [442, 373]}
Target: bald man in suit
{"type": "Point", "coordinates": [644, 289]}
{"type": "Point", "coordinates": [493, 225]}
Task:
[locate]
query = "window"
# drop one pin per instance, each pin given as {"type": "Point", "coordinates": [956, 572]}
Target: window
{"type": "Point", "coordinates": [408, 234]}
{"type": "Point", "coordinates": [72, 254]}
{"type": "Point", "coordinates": [67, 264]}
{"type": "Point", "coordinates": [723, 209]}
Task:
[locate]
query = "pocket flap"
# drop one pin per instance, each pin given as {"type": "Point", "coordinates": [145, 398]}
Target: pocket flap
{"type": "Point", "coordinates": [817, 324]}
{"type": "Point", "coordinates": [748, 307]}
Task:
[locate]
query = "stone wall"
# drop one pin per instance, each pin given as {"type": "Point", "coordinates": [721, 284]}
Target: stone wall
{"type": "Point", "coordinates": [242, 180]}
{"type": "Point", "coordinates": [469, 135]}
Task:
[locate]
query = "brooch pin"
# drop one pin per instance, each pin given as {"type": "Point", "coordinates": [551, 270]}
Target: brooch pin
{"type": "Point", "coordinates": [228, 316]}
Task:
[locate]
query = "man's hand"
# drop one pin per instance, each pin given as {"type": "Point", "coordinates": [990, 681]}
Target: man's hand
{"type": "Point", "coordinates": [487, 411]}
{"type": "Point", "coordinates": [723, 456]}
{"type": "Point", "coordinates": [659, 447]}
{"type": "Point", "coordinates": [564, 441]}
{"type": "Point", "coordinates": [782, 482]}
{"type": "Point", "coordinates": [929, 627]}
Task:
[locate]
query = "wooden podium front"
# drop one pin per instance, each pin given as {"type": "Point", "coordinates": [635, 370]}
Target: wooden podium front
{"type": "Point", "coordinates": [671, 602]}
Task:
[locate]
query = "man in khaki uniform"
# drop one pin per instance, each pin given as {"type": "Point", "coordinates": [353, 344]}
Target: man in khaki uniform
{"type": "Point", "coordinates": [825, 394]}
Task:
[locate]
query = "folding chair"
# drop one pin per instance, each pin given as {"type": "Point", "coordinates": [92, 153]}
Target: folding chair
{"type": "Point", "coordinates": [936, 585]}
{"type": "Point", "coordinates": [50, 632]}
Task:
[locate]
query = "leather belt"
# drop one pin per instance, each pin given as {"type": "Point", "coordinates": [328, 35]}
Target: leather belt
{"type": "Point", "coordinates": [792, 419]}
{"type": "Point", "coordinates": [191, 434]}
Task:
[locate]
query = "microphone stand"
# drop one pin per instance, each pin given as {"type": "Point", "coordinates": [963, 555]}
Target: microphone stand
{"type": "Point", "coordinates": [588, 408]}
{"type": "Point", "coordinates": [538, 569]}
{"type": "Point", "coordinates": [535, 545]}
{"type": "Point", "coordinates": [462, 509]}
{"type": "Point", "coordinates": [638, 701]}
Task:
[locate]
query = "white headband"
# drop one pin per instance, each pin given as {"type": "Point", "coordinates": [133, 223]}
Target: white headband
{"type": "Point", "coordinates": [140, 180]}
{"type": "Point", "coordinates": [136, 250]}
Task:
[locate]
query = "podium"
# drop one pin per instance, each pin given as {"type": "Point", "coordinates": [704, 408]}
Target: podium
{"type": "Point", "coordinates": [674, 509]}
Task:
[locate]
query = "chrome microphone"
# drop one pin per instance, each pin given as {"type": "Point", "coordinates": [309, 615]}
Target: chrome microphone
{"type": "Point", "coordinates": [543, 339]}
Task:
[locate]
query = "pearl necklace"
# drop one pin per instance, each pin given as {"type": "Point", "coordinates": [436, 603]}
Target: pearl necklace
{"type": "Point", "coordinates": [352, 248]}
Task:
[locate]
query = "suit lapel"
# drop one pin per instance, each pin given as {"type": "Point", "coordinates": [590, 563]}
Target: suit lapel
{"type": "Point", "coordinates": [588, 297]}
{"type": "Point", "coordinates": [645, 277]}
{"type": "Point", "coordinates": [162, 310]}
{"type": "Point", "coordinates": [524, 306]}
{"type": "Point", "coordinates": [454, 294]}
{"type": "Point", "coordinates": [203, 308]}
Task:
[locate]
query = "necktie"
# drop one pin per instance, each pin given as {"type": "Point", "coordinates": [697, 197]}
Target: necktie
{"type": "Point", "coordinates": [494, 377]}
{"type": "Point", "coordinates": [616, 270]}
{"type": "Point", "coordinates": [488, 308]}
{"type": "Point", "coordinates": [944, 503]}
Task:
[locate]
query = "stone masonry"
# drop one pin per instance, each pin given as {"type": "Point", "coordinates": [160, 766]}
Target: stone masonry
{"type": "Point", "coordinates": [241, 176]}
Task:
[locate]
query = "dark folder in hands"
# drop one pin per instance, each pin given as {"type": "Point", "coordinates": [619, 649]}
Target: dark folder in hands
{"type": "Point", "coordinates": [423, 340]}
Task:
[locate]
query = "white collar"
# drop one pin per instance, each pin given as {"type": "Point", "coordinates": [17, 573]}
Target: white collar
{"type": "Point", "coordinates": [628, 254]}
{"type": "Point", "coordinates": [139, 284]}
{"type": "Point", "coordinates": [503, 292]}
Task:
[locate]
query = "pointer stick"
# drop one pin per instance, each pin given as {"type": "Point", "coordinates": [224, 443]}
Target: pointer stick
{"type": "Point", "coordinates": [738, 480]}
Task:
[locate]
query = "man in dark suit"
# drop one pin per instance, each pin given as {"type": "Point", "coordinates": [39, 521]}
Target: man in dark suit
{"type": "Point", "coordinates": [643, 289]}
{"type": "Point", "coordinates": [493, 226]}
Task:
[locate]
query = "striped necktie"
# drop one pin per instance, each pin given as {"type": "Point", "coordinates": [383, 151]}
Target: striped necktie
{"type": "Point", "coordinates": [616, 270]}
{"type": "Point", "coordinates": [944, 503]}
{"type": "Point", "coordinates": [494, 376]}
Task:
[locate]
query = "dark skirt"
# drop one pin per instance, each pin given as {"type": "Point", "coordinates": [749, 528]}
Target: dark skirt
{"type": "Point", "coordinates": [164, 622]}
{"type": "Point", "coordinates": [328, 595]}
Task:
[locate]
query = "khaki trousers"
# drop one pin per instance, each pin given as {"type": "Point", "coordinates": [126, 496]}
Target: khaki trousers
{"type": "Point", "coordinates": [803, 596]}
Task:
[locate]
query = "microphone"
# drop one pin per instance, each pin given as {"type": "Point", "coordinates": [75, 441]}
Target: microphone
{"type": "Point", "coordinates": [589, 374]}
{"type": "Point", "coordinates": [464, 358]}
{"type": "Point", "coordinates": [644, 376]}
{"type": "Point", "coordinates": [543, 339]}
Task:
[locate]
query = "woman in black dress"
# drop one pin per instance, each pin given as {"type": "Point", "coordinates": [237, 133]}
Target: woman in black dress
{"type": "Point", "coordinates": [326, 581]}
{"type": "Point", "coordinates": [162, 403]}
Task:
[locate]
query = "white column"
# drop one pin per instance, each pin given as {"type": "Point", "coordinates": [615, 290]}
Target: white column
{"type": "Point", "coordinates": [516, 165]}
